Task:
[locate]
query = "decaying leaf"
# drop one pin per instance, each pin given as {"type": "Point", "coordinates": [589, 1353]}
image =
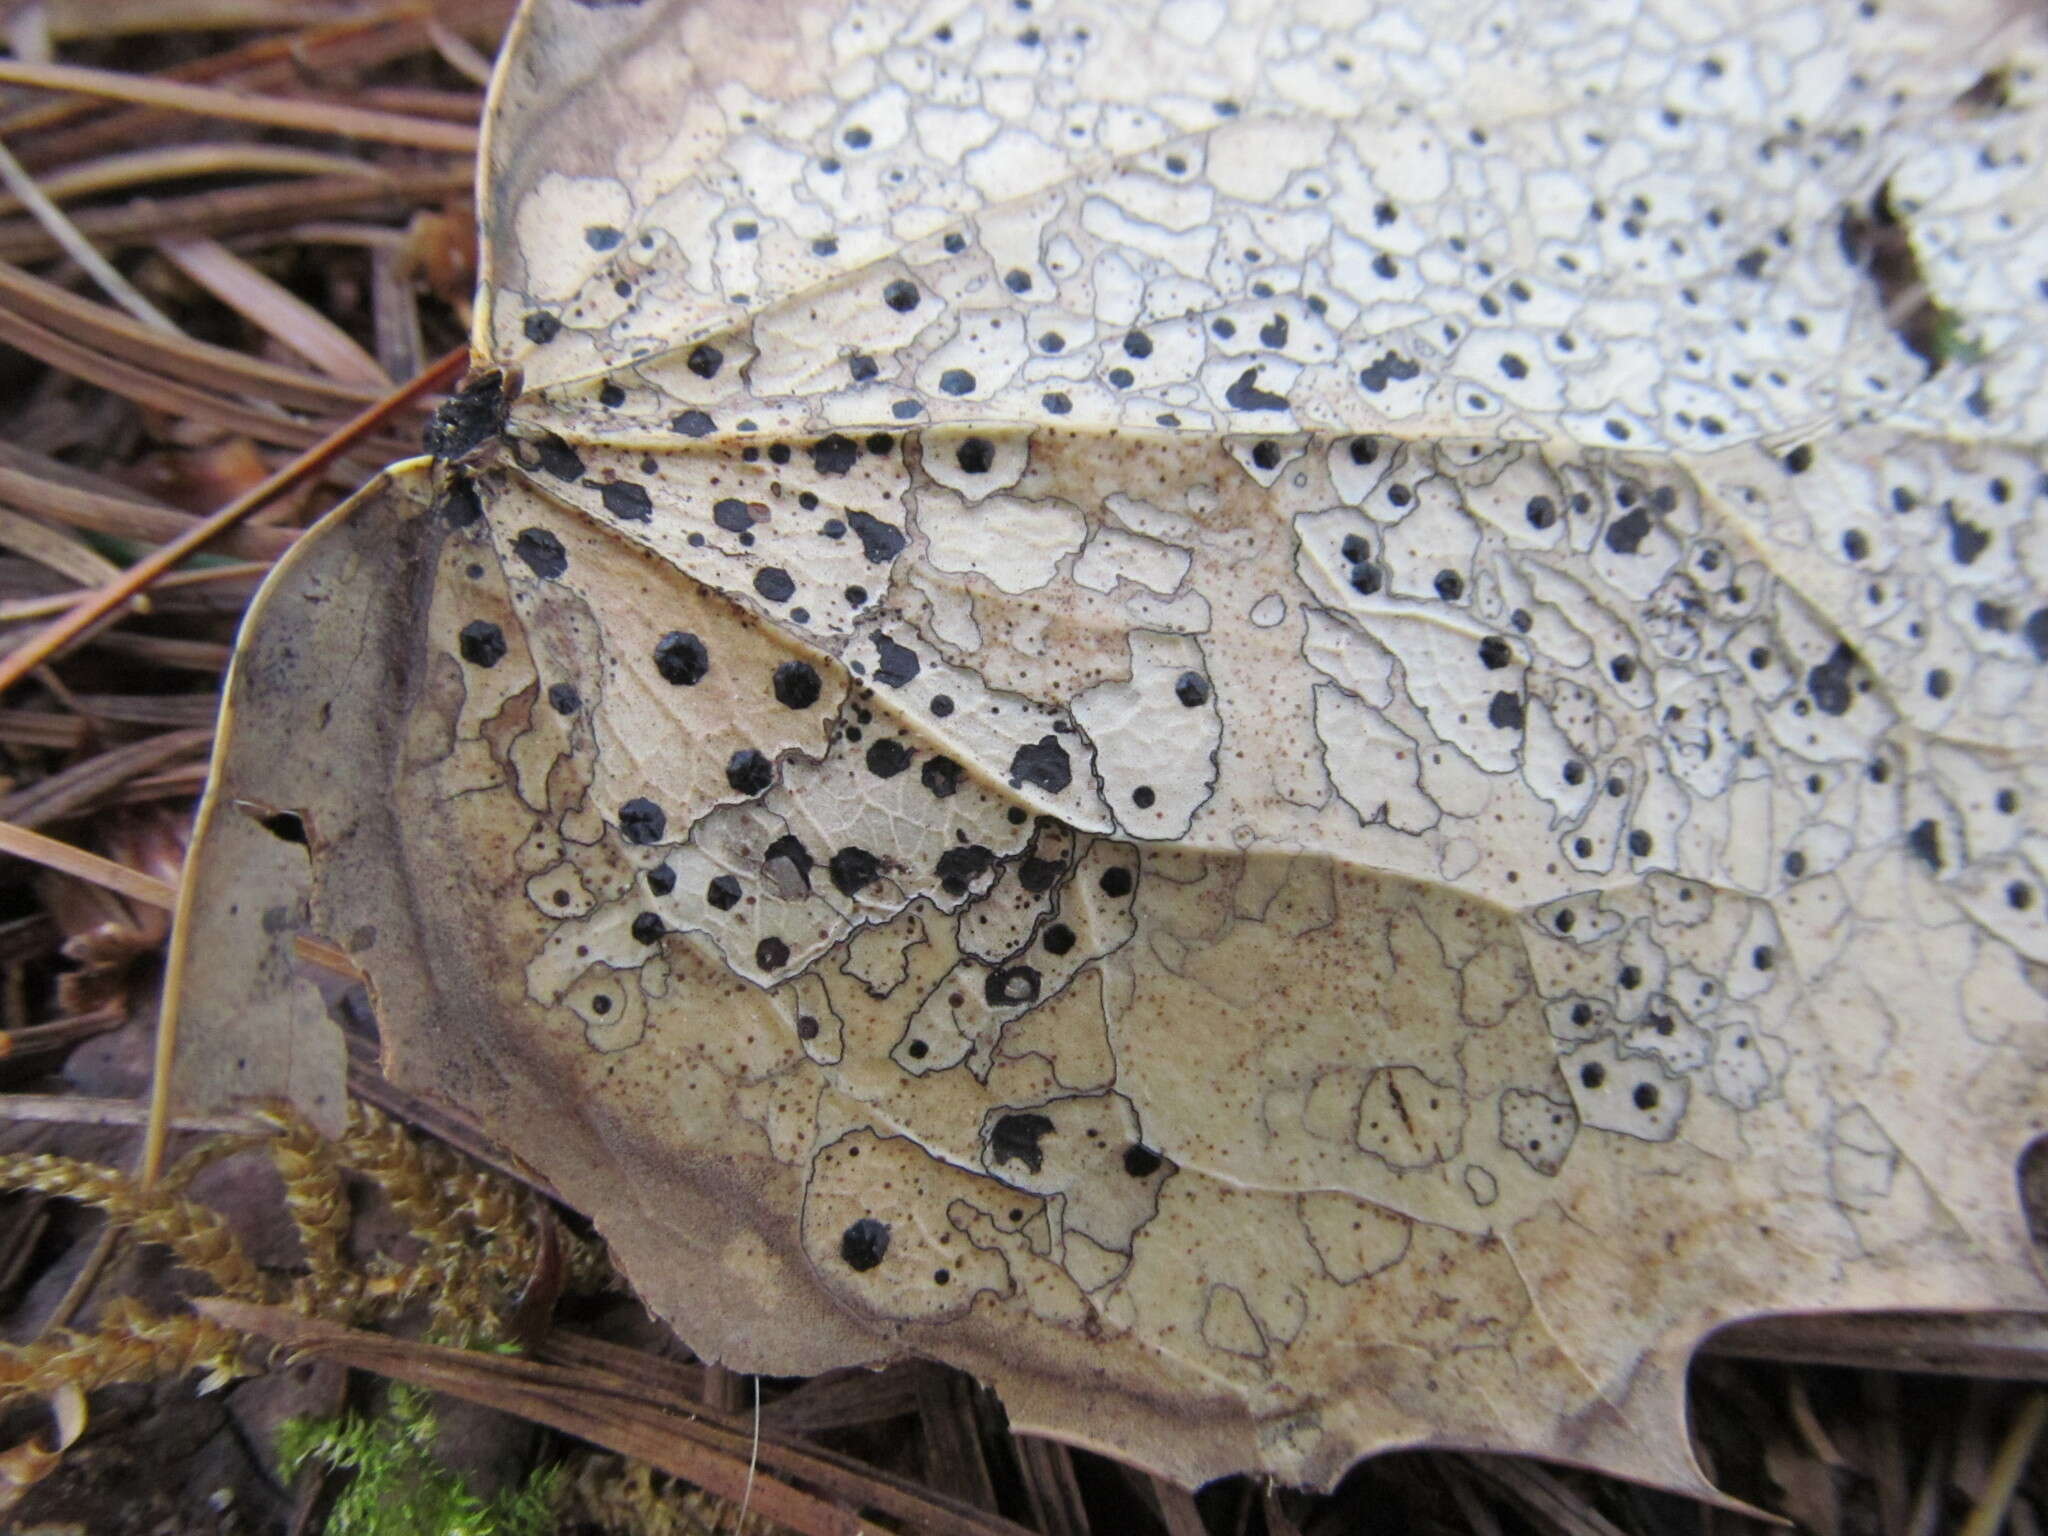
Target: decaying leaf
{"type": "Point", "coordinates": [1303, 725]}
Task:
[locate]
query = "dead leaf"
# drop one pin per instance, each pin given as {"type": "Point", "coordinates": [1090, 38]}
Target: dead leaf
{"type": "Point", "coordinates": [1304, 728]}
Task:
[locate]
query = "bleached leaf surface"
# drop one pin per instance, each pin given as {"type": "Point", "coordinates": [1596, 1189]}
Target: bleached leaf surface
{"type": "Point", "coordinates": [1305, 726]}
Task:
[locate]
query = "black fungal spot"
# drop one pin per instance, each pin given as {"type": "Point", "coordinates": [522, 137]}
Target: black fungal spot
{"type": "Point", "coordinates": [1505, 712]}
{"type": "Point", "coordinates": [1137, 344]}
{"type": "Point", "coordinates": [542, 552]}
{"type": "Point", "coordinates": [942, 705]}
{"type": "Point", "coordinates": [563, 698]}
{"type": "Point", "coordinates": [648, 928]}
{"type": "Point", "coordinates": [1925, 842]}
{"type": "Point", "coordinates": [899, 664]}
{"type": "Point", "coordinates": [901, 295]}
{"type": "Point", "coordinates": [610, 396]}
{"type": "Point", "coordinates": [1799, 460]}
{"type": "Point", "coordinates": [775, 584]}
{"type": "Point", "coordinates": [1645, 1096]}
{"type": "Point", "coordinates": [853, 870]}
{"type": "Point", "coordinates": [628, 502]}
{"type": "Point", "coordinates": [694, 424]}
{"type": "Point", "coordinates": [541, 327]}
{"type": "Point", "coordinates": [1828, 683]}
{"type": "Point", "coordinates": [749, 772]}
{"type": "Point", "coordinates": [834, 454]}
{"type": "Point", "coordinates": [557, 457]}
{"type": "Point", "coordinates": [1565, 921]}
{"type": "Point", "coordinates": [602, 237]}
{"type": "Point", "coordinates": [1389, 368]}
{"type": "Point", "coordinates": [1450, 586]}
{"type": "Point", "coordinates": [1266, 454]}
{"type": "Point", "coordinates": [976, 456]}
{"type": "Point", "coordinates": [862, 367]}
{"type": "Point", "coordinates": [955, 243]}
{"type": "Point", "coordinates": [1495, 653]}
{"type": "Point", "coordinates": [1639, 843]}
{"type": "Point", "coordinates": [881, 542]}
{"type": "Point", "coordinates": [1017, 280]}
{"type": "Point", "coordinates": [864, 1244]}
{"type": "Point", "coordinates": [1966, 541]}
{"type": "Point", "coordinates": [956, 381]}
{"type": "Point", "coordinates": [723, 892]}
{"type": "Point", "coordinates": [661, 880]}
{"type": "Point", "coordinates": [1513, 366]}
{"type": "Point", "coordinates": [1623, 669]}
{"type": "Point", "coordinates": [641, 821]}
{"type": "Point", "coordinates": [1044, 765]}
{"type": "Point", "coordinates": [1143, 797]}
{"type": "Point", "coordinates": [731, 514]}
{"type": "Point", "coordinates": [681, 658]}
{"type": "Point", "coordinates": [1245, 394]}
{"type": "Point", "coordinates": [1141, 1162]}
{"type": "Point", "coordinates": [796, 685]}
{"type": "Point", "coordinates": [481, 643]}
{"type": "Point", "coordinates": [1592, 1074]}
{"type": "Point", "coordinates": [941, 776]}
{"type": "Point", "coordinates": [460, 505]}
{"type": "Point", "coordinates": [958, 868]}
{"type": "Point", "coordinates": [1751, 263]}
{"type": "Point", "coordinates": [1012, 986]}
{"type": "Point", "coordinates": [1192, 689]}
{"type": "Point", "coordinates": [1056, 402]}
{"type": "Point", "coordinates": [1625, 534]}
{"type": "Point", "coordinates": [1059, 939]}
{"type": "Point", "coordinates": [705, 360]}
{"type": "Point", "coordinates": [1117, 881]}
{"type": "Point", "coordinates": [1015, 1138]}
{"type": "Point", "coordinates": [1541, 512]}
{"type": "Point", "coordinates": [887, 758]}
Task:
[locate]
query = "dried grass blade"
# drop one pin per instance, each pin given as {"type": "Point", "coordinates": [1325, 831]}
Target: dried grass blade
{"type": "Point", "coordinates": [209, 656]}
{"type": "Point", "coordinates": [272, 111]}
{"type": "Point", "coordinates": [2006, 1346]}
{"type": "Point", "coordinates": [237, 209]}
{"type": "Point", "coordinates": [90, 867]}
{"type": "Point", "coordinates": [78, 1109]}
{"type": "Point", "coordinates": [121, 517]}
{"type": "Point", "coordinates": [181, 162]}
{"type": "Point", "coordinates": [2014, 1452]}
{"type": "Point", "coordinates": [51, 549]}
{"type": "Point", "coordinates": [274, 309]}
{"type": "Point", "coordinates": [74, 788]}
{"type": "Point", "coordinates": [194, 362]}
{"type": "Point", "coordinates": [110, 599]}
{"type": "Point", "coordinates": [151, 389]}
{"type": "Point", "coordinates": [24, 190]}
{"type": "Point", "coordinates": [248, 575]}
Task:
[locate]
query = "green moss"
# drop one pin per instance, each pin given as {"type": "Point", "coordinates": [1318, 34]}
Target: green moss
{"type": "Point", "coordinates": [398, 1487]}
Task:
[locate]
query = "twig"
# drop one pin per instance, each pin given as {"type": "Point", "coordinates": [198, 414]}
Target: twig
{"type": "Point", "coordinates": [275, 111]}
{"type": "Point", "coordinates": [109, 599]}
{"type": "Point", "coordinates": [77, 247]}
